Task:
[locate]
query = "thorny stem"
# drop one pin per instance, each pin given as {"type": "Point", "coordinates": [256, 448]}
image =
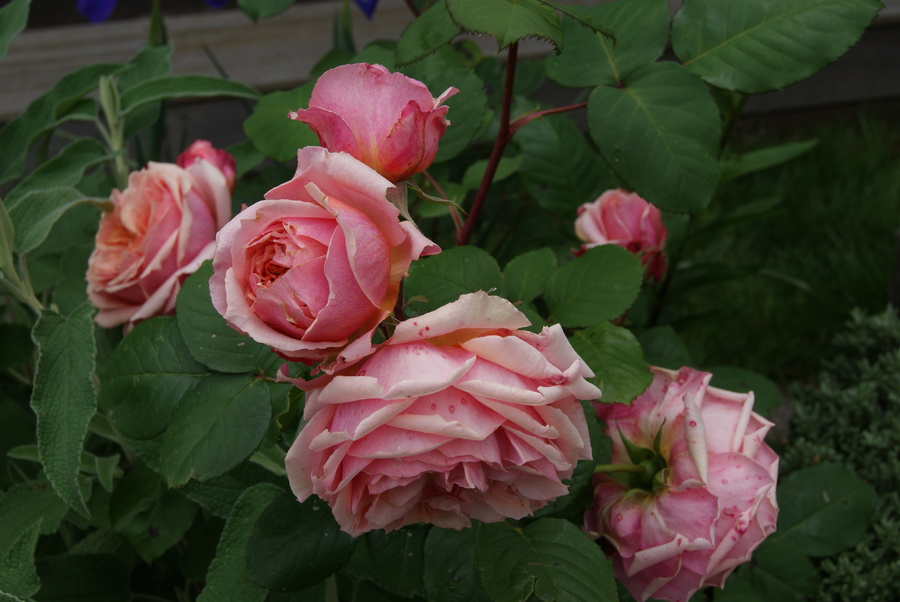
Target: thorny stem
{"type": "Point", "coordinates": [454, 214]}
{"type": "Point", "coordinates": [503, 137]}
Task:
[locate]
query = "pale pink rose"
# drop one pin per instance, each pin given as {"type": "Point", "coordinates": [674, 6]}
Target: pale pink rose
{"type": "Point", "coordinates": [161, 228]}
{"type": "Point", "coordinates": [222, 159]}
{"type": "Point", "coordinates": [458, 416]}
{"type": "Point", "coordinates": [318, 264]}
{"type": "Point", "coordinates": [625, 219]}
{"type": "Point", "coordinates": [709, 508]}
{"type": "Point", "coordinates": [388, 121]}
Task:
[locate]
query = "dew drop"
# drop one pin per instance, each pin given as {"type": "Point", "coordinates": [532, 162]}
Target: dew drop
{"type": "Point", "coordinates": [361, 373]}
{"type": "Point", "coordinates": [434, 406]}
{"type": "Point", "coordinates": [618, 517]}
{"type": "Point", "coordinates": [452, 409]}
{"type": "Point", "coordinates": [693, 423]}
{"type": "Point", "coordinates": [724, 481]}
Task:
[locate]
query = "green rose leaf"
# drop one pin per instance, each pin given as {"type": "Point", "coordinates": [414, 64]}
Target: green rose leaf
{"type": "Point", "coordinates": [560, 169]}
{"type": "Point", "coordinates": [507, 20]}
{"type": "Point", "coordinates": [663, 347]}
{"type": "Point", "coordinates": [36, 212]}
{"type": "Point", "coordinates": [13, 18]}
{"type": "Point", "coordinates": [779, 571]}
{"type": "Point", "coordinates": [183, 86]}
{"type": "Point", "coordinates": [824, 509]}
{"type": "Point", "coordinates": [764, 158]}
{"type": "Point", "coordinates": [220, 494]}
{"type": "Point", "coordinates": [550, 559]}
{"type": "Point", "coordinates": [151, 517]}
{"type": "Point", "coordinates": [594, 288]}
{"type": "Point", "coordinates": [660, 132]}
{"type": "Point", "coordinates": [526, 275]}
{"type": "Point", "coordinates": [210, 339]}
{"type": "Point", "coordinates": [450, 574]}
{"type": "Point", "coordinates": [66, 169]}
{"type": "Point", "coordinates": [274, 133]}
{"type": "Point", "coordinates": [641, 30]}
{"type": "Point", "coordinates": [64, 398]}
{"type": "Point", "coordinates": [431, 30]}
{"type": "Point", "coordinates": [17, 573]}
{"type": "Point", "coordinates": [442, 278]}
{"type": "Point", "coordinates": [217, 425]}
{"type": "Point", "coordinates": [226, 579]}
{"type": "Point", "coordinates": [146, 376]}
{"type": "Point", "coordinates": [294, 545]}
{"type": "Point", "coordinates": [45, 113]}
{"type": "Point", "coordinates": [769, 44]}
{"type": "Point", "coordinates": [616, 357]}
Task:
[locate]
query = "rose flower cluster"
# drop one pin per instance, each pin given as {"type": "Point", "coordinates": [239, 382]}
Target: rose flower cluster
{"type": "Point", "coordinates": [460, 414]}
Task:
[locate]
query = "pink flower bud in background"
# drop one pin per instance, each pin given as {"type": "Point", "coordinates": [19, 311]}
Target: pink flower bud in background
{"type": "Point", "coordinates": [318, 264]}
{"type": "Point", "coordinates": [388, 121]}
{"type": "Point", "coordinates": [712, 504]}
{"type": "Point", "coordinates": [162, 227]}
{"type": "Point", "coordinates": [458, 416]}
{"type": "Point", "coordinates": [627, 220]}
{"type": "Point", "coordinates": [221, 159]}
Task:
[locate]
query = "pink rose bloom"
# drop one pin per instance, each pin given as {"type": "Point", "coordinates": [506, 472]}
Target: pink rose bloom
{"type": "Point", "coordinates": [458, 416]}
{"type": "Point", "coordinates": [318, 264]}
{"type": "Point", "coordinates": [388, 121]}
{"type": "Point", "coordinates": [221, 159]}
{"type": "Point", "coordinates": [626, 220]}
{"type": "Point", "coordinates": [710, 506]}
{"type": "Point", "coordinates": [162, 227]}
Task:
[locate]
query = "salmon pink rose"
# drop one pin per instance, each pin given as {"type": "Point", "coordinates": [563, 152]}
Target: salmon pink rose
{"type": "Point", "coordinates": [318, 264]}
{"type": "Point", "coordinates": [458, 416]}
{"type": "Point", "coordinates": [161, 228]}
{"type": "Point", "coordinates": [706, 497]}
{"type": "Point", "coordinates": [388, 121]}
{"type": "Point", "coordinates": [222, 159]}
{"type": "Point", "coordinates": [625, 219]}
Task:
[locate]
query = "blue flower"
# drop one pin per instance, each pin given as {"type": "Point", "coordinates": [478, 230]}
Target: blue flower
{"type": "Point", "coordinates": [98, 11]}
{"type": "Point", "coordinates": [367, 6]}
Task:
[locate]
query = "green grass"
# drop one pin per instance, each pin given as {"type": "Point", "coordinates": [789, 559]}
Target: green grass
{"type": "Point", "coordinates": [834, 231]}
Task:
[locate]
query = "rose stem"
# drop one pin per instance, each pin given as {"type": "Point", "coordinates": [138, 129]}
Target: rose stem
{"type": "Point", "coordinates": [503, 136]}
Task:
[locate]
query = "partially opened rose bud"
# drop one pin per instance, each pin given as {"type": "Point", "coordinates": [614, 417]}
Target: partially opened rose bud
{"type": "Point", "coordinates": [458, 416]}
{"type": "Point", "coordinates": [710, 500]}
{"type": "Point", "coordinates": [625, 219]}
{"type": "Point", "coordinates": [219, 158]}
{"type": "Point", "coordinates": [388, 121]}
{"type": "Point", "coordinates": [318, 264]}
{"type": "Point", "coordinates": [161, 228]}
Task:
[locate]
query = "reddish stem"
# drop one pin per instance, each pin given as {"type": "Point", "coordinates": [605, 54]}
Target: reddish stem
{"type": "Point", "coordinates": [526, 119]}
{"type": "Point", "coordinates": [503, 136]}
{"type": "Point", "coordinates": [413, 8]}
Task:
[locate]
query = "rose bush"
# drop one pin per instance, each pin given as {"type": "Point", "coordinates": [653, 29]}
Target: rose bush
{"type": "Point", "coordinates": [388, 121]}
{"type": "Point", "coordinates": [161, 228]}
{"type": "Point", "coordinates": [222, 159]}
{"type": "Point", "coordinates": [318, 264]}
{"type": "Point", "coordinates": [458, 416]}
{"type": "Point", "coordinates": [690, 524]}
{"type": "Point", "coordinates": [625, 219]}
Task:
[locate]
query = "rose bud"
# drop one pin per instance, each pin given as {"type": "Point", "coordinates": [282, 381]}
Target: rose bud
{"type": "Point", "coordinates": [388, 121]}
{"type": "Point", "coordinates": [458, 416]}
{"type": "Point", "coordinates": [690, 492]}
{"type": "Point", "coordinates": [318, 264]}
{"type": "Point", "coordinates": [626, 220]}
{"type": "Point", "coordinates": [221, 159]}
{"type": "Point", "coordinates": [161, 228]}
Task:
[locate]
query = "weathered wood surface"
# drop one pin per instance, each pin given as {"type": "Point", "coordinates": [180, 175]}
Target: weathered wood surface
{"type": "Point", "coordinates": [279, 52]}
